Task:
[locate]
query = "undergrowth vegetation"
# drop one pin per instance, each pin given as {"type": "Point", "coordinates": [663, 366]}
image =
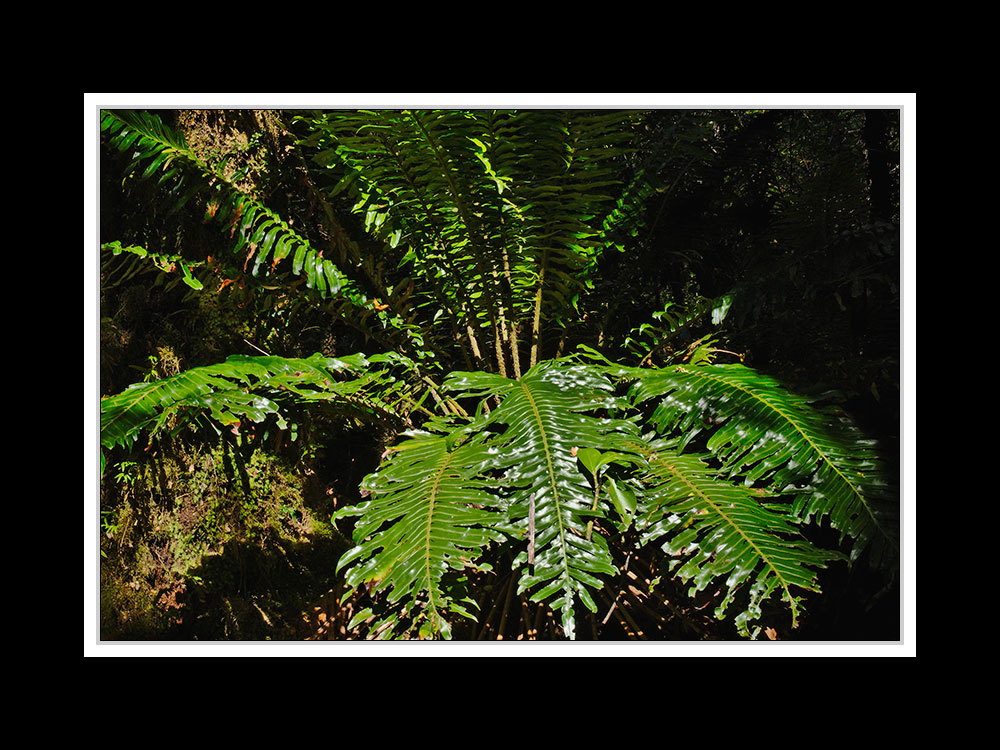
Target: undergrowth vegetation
{"type": "Point", "coordinates": [486, 374]}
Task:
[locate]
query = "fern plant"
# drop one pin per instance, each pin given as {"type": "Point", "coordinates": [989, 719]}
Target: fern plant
{"type": "Point", "coordinates": [483, 231]}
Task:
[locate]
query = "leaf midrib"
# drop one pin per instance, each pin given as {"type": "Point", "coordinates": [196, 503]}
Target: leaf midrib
{"type": "Point", "coordinates": [790, 420]}
{"type": "Point", "coordinates": [734, 525]}
{"type": "Point", "coordinates": [552, 476]}
{"type": "Point", "coordinates": [432, 502]}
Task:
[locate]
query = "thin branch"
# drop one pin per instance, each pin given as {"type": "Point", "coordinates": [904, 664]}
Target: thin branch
{"type": "Point", "coordinates": [257, 348]}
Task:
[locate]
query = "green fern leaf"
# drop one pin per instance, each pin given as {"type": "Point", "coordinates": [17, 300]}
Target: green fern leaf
{"type": "Point", "coordinates": [268, 238]}
{"type": "Point", "coordinates": [244, 388]}
{"type": "Point", "coordinates": [715, 529]}
{"type": "Point", "coordinates": [145, 135]}
{"type": "Point", "coordinates": [512, 199]}
{"type": "Point", "coordinates": [431, 512]}
{"type": "Point", "coordinates": [767, 435]}
{"type": "Point", "coordinates": [136, 260]}
{"type": "Point", "coordinates": [545, 422]}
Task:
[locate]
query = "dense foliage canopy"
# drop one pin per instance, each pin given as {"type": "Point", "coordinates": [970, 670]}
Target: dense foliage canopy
{"type": "Point", "coordinates": [535, 373]}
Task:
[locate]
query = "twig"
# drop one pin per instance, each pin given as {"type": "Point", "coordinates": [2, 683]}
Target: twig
{"type": "Point", "coordinates": [506, 608]}
{"type": "Point", "coordinates": [258, 348]}
{"type": "Point", "coordinates": [614, 603]}
{"type": "Point", "coordinates": [626, 621]}
{"type": "Point", "coordinates": [486, 622]}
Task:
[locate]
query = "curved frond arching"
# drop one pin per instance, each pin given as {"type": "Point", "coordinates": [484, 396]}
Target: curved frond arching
{"type": "Point", "coordinates": [764, 433]}
{"type": "Point", "coordinates": [547, 417]}
{"type": "Point", "coordinates": [716, 529]}
{"type": "Point", "coordinates": [259, 232]}
{"type": "Point", "coordinates": [150, 141]}
{"type": "Point", "coordinates": [414, 180]}
{"type": "Point", "coordinates": [247, 389]}
{"type": "Point", "coordinates": [430, 512]}
{"type": "Point", "coordinates": [498, 213]}
{"type": "Point", "coordinates": [136, 260]}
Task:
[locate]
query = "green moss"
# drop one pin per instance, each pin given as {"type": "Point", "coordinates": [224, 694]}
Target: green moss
{"type": "Point", "coordinates": [192, 531]}
{"type": "Point", "coordinates": [128, 610]}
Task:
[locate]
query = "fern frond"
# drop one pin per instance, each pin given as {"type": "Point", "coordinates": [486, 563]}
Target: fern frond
{"type": "Point", "coordinates": [763, 433]}
{"type": "Point", "coordinates": [431, 511]}
{"type": "Point", "coordinates": [260, 233]}
{"type": "Point", "coordinates": [149, 141]}
{"type": "Point", "coordinates": [499, 212]}
{"type": "Point", "coordinates": [547, 497]}
{"type": "Point", "coordinates": [716, 529]}
{"type": "Point", "coordinates": [419, 187]}
{"type": "Point", "coordinates": [245, 389]}
{"type": "Point", "coordinates": [566, 187]}
{"type": "Point", "coordinates": [133, 262]}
